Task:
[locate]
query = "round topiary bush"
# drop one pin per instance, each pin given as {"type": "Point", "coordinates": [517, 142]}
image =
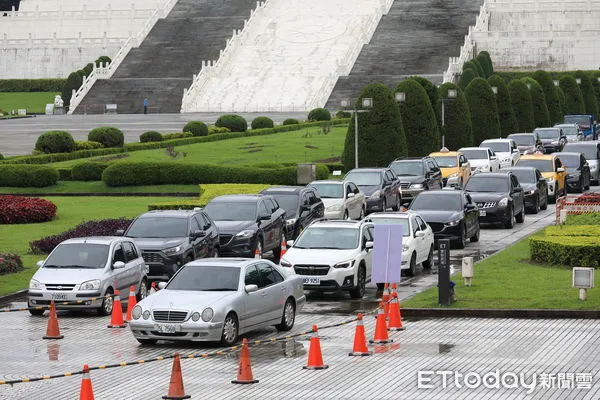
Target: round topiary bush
{"type": "Point", "coordinates": [88, 171]}
{"type": "Point", "coordinates": [232, 121]}
{"type": "Point", "coordinates": [261, 123]}
{"type": "Point", "coordinates": [55, 142]}
{"type": "Point", "coordinates": [319, 114]}
{"type": "Point", "coordinates": [151, 136]}
{"type": "Point", "coordinates": [86, 145]}
{"type": "Point", "coordinates": [197, 128]}
{"type": "Point", "coordinates": [294, 121]}
{"type": "Point", "coordinates": [107, 135]}
{"type": "Point", "coordinates": [25, 210]}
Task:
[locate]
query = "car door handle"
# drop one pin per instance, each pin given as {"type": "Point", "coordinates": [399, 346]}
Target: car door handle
{"type": "Point", "coordinates": [264, 294]}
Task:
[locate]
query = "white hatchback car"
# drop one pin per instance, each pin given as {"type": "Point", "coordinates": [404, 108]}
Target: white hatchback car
{"type": "Point", "coordinates": [342, 199]}
{"type": "Point", "coordinates": [482, 159]}
{"type": "Point", "coordinates": [506, 150]}
{"type": "Point", "coordinates": [333, 255]}
{"type": "Point", "coordinates": [417, 242]}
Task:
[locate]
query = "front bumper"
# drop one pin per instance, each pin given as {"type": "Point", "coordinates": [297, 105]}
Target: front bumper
{"type": "Point", "coordinates": [551, 148]}
{"type": "Point", "coordinates": [336, 279]}
{"type": "Point", "coordinates": [188, 330]}
{"type": "Point", "coordinates": [239, 246]}
{"type": "Point", "coordinates": [77, 300]}
{"type": "Point", "coordinates": [494, 214]}
{"type": "Point", "coordinates": [161, 267]}
{"type": "Point", "coordinates": [530, 200]}
{"type": "Point", "coordinates": [441, 231]}
{"type": "Point", "coordinates": [409, 194]}
{"type": "Point", "coordinates": [451, 181]}
{"type": "Point", "coordinates": [574, 184]}
{"type": "Point", "coordinates": [374, 205]}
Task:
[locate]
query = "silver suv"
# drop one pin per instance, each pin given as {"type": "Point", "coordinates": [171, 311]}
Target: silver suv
{"type": "Point", "coordinates": [78, 270]}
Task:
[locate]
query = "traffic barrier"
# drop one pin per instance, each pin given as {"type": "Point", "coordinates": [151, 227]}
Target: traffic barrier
{"type": "Point", "coordinates": [381, 333]}
{"type": "Point", "coordinates": [131, 302]}
{"type": "Point", "coordinates": [315, 357]}
{"type": "Point", "coordinates": [176, 390]}
{"type": "Point", "coordinates": [86, 392]}
{"type": "Point", "coordinates": [385, 299]}
{"type": "Point", "coordinates": [153, 288]}
{"type": "Point", "coordinates": [257, 254]}
{"type": "Point", "coordinates": [283, 248]}
{"type": "Point", "coordinates": [116, 317]}
{"type": "Point", "coordinates": [395, 317]}
{"type": "Point", "coordinates": [52, 330]}
{"type": "Point", "coordinates": [244, 375]}
{"type": "Point", "coordinates": [360, 339]}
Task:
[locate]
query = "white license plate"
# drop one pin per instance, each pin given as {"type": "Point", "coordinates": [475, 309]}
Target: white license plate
{"type": "Point", "coordinates": [482, 213]}
{"type": "Point", "coordinates": [166, 328]}
{"type": "Point", "coordinates": [59, 296]}
{"type": "Point", "coordinates": [311, 281]}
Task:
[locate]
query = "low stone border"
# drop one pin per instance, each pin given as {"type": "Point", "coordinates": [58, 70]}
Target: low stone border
{"type": "Point", "coordinates": [499, 313]}
{"type": "Point", "coordinates": [12, 296]}
{"type": "Point", "coordinates": [116, 194]}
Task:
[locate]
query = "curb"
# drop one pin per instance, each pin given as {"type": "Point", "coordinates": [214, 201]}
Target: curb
{"type": "Point", "coordinates": [499, 313]}
{"type": "Point", "coordinates": [116, 194]}
{"type": "Point", "coordinates": [12, 296]}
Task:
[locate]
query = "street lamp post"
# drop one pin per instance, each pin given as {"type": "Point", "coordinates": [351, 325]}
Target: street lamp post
{"type": "Point", "coordinates": [451, 97]}
{"type": "Point", "coordinates": [367, 103]}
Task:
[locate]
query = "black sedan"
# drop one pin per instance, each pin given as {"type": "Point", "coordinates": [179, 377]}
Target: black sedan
{"type": "Point", "coordinates": [380, 185]}
{"type": "Point", "coordinates": [452, 214]}
{"type": "Point", "coordinates": [578, 171]}
{"type": "Point", "coordinates": [499, 196]}
{"type": "Point", "coordinates": [248, 224]}
{"type": "Point", "coordinates": [535, 187]}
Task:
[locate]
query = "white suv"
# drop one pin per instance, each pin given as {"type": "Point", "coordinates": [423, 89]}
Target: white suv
{"type": "Point", "coordinates": [333, 255]}
{"type": "Point", "coordinates": [506, 150]}
{"type": "Point", "coordinates": [482, 159]}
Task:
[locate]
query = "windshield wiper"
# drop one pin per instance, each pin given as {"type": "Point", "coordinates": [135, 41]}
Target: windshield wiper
{"type": "Point", "coordinates": [220, 290]}
{"type": "Point", "coordinates": [67, 266]}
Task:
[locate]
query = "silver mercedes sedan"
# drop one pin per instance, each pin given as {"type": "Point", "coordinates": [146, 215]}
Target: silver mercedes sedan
{"type": "Point", "coordinates": [219, 299]}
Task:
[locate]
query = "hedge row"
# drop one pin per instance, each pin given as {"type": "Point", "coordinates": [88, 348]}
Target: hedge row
{"type": "Point", "coordinates": [582, 251]}
{"type": "Point", "coordinates": [207, 193]}
{"type": "Point", "coordinates": [88, 171]}
{"type": "Point", "coordinates": [32, 85]}
{"type": "Point", "coordinates": [573, 230]}
{"type": "Point", "coordinates": [583, 219]}
{"type": "Point", "coordinates": [25, 210]}
{"type": "Point", "coordinates": [27, 175]}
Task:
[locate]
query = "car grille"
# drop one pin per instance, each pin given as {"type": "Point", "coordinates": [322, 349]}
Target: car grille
{"type": "Point", "coordinates": [59, 286]}
{"type": "Point", "coordinates": [404, 185]}
{"type": "Point", "coordinates": [489, 204]}
{"type": "Point", "coordinates": [311, 269]}
{"type": "Point", "coordinates": [224, 239]}
{"type": "Point", "coordinates": [169, 316]}
{"type": "Point", "coordinates": [436, 226]}
{"type": "Point", "coordinates": [152, 257]}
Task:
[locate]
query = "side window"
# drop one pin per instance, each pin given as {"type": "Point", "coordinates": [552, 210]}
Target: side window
{"type": "Point", "coordinates": [267, 275]}
{"type": "Point", "coordinates": [263, 209]}
{"type": "Point", "coordinates": [130, 251]}
{"type": "Point", "coordinates": [204, 221]}
{"type": "Point", "coordinates": [422, 224]}
{"type": "Point", "coordinates": [312, 198]}
{"type": "Point", "coordinates": [273, 203]}
{"type": "Point", "coordinates": [514, 181]}
{"type": "Point", "coordinates": [367, 235]}
{"type": "Point", "coordinates": [348, 189]}
{"type": "Point", "coordinates": [305, 199]}
{"type": "Point", "coordinates": [252, 277]}
{"type": "Point", "coordinates": [194, 225]}
{"type": "Point", "coordinates": [432, 166]}
{"type": "Point", "coordinates": [415, 226]}
{"type": "Point", "coordinates": [558, 163]}
{"type": "Point", "coordinates": [354, 188]}
{"type": "Point", "coordinates": [119, 254]}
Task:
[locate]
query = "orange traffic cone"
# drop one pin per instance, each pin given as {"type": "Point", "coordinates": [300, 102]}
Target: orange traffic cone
{"type": "Point", "coordinates": [381, 333]}
{"type": "Point", "coordinates": [52, 330]}
{"type": "Point", "coordinates": [395, 322]}
{"type": "Point", "coordinates": [385, 299]}
{"type": "Point", "coordinates": [176, 390]}
{"type": "Point", "coordinates": [315, 358]}
{"type": "Point", "coordinates": [360, 340]}
{"type": "Point", "coordinates": [86, 392]}
{"type": "Point", "coordinates": [245, 369]}
{"type": "Point", "coordinates": [131, 302]}
{"type": "Point", "coordinates": [116, 317]}
{"type": "Point", "coordinates": [153, 288]}
{"type": "Point", "coordinates": [257, 254]}
{"type": "Point", "coordinates": [283, 248]}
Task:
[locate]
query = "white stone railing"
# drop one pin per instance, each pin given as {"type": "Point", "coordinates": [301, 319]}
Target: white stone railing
{"type": "Point", "coordinates": [106, 72]}
{"type": "Point", "coordinates": [84, 13]}
{"type": "Point", "coordinates": [79, 41]}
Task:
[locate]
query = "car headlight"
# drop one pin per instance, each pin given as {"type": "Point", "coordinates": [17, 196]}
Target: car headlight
{"type": "Point", "coordinates": [136, 313]}
{"type": "Point", "coordinates": [454, 175]}
{"type": "Point", "coordinates": [195, 316]}
{"type": "Point", "coordinates": [416, 186]}
{"type": "Point", "coordinates": [453, 223]}
{"type": "Point", "coordinates": [404, 247]}
{"type": "Point", "coordinates": [503, 202]}
{"type": "Point", "coordinates": [335, 207]}
{"type": "Point", "coordinates": [207, 314]}
{"type": "Point", "coordinates": [344, 264]}
{"type": "Point", "coordinates": [33, 284]}
{"type": "Point", "coordinates": [246, 233]}
{"type": "Point", "coordinates": [146, 314]}
{"type": "Point", "coordinates": [531, 192]}
{"type": "Point", "coordinates": [285, 264]}
{"type": "Point", "coordinates": [172, 250]}
{"type": "Point", "coordinates": [90, 285]}
{"type": "Point", "coordinates": [290, 222]}
{"type": "Point", "coordinates": [376, 194]}
{"type": "Point", "coordinates": [554, 142]}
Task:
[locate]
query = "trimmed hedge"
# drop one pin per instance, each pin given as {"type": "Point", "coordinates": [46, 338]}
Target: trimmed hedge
{"type": "Point", "coordinates": [109, 136]}
{"type": "Point", "coordinates": [197, 128]}
{"type": "Point", "coordinates": [319, 114]}
{"type": "Point", "coordinates": [213, 130]}
{"type": "Point", "coordinates": [588, 93]}
{"type": "Point", "coordinates": [32, 85]}
{"type": "Point", "coordinates": [88, 171]}
{"type": "Point", "coordinates": [55, 142]}
{"type": "Point", "coordinates": [583, 219]}
{"type": "Point", "coordinates": [261, 123]}
{"type": "Point", "coordinates": [151, 136]}
{"type": "Point", "coordinates": [573, 230]}
{"type": "Point", "coordinates": [10, 263]}
{"type": "Point", "coordinates": [579, 251]}
{"type": "Point", "coordinates": [87, 145]}
{"type": "Point", "coordinates": [294, 121]}
{"type": "Point", "coordinates": [335, 167]}
{"type": "Point", "coordinates": [176, 135]}
{"type": "Point", "coordinates": [25, 210]}
{"type": "Point", "coordinates": [64, 174]}
{"type": "Point", "coordinates": [27, 175]}
{"type": "Point", "coordinates": [234, 122]}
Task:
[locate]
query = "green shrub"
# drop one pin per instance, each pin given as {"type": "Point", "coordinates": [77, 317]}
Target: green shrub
{"type": "Point", "coordinates": [506, 115]}
{"type": "Point", "coordinates": [466, 77]}
{"type": "Point", "coordinates": [74, 81]}
{"type": "Point", "coordinates": [486, 63]}
{"type": "Point", "coordinates": [87, 70]}
{"type": "Point", "coordinates": [151, 136]}
{"type": "Point", "coordinates": [32, 85]}
{"type": "Point", "coordinates": [480, 70]}
{"type": "Point", "coordinates": [87, 145]}
{"type": "Point", "coordinates": [88, 171]}
{"type": "Point", "coordinates": [552, 101]}
{"type": "Point", "coordinates": [573, 99]}
{"type": "Point", "coordinates": [573, 230]}
{"type": "Point", "coordinates": [176, 205]}
{"type": "Point", "coordinates": [587, 91]}
{"type": "Point", "coordinates": [261, 123]}
{"type": "Point", "coordinates": [234, 122]}
{"type": "Point", "coordinates": [520, 98]}
{"type": "Point", "coordinates": [562, 101]}
{"type": "Point", "coordinates": [103, 61]}
{"type": "Point", "coordinates": [10, 263]}
{"type": "Point", "coordinates": [1, 156]}
{"type": "Point", "coordinates": [107, 135]}
{"type": "Point", "coordinates": [55, 142]}
{"type": "Point", "coordinates": [319, 114]}
{"type": "Point", "coordinates": [336, 167]}
{"type": "Point", "coordinates": [176, 135]}
{"type": "Point", "coordinates": [541, 117]}
{"type": "Point", "coordinates": [594, 75]}
{"type": "Point", "coordinates": [27, 175]}
{"type": "Point", "coordinates": [484, 112]}
{"type": "Point", "coordinates": [583, 219]}
{"type": "Point", "coordinates": [568, 251]}
{"type": "Point", "coordinates": [322, 171]}
{"type": "Point", "coordinates": [430, 89]}
{"type": "Point", "coordinates": [418, 119]}
{"type": "Point", "coordinates": [64, 174]}
{"type": "Point", "coordinates": [197, 128]}
{"type": "Point", "coordinates": [471, 65]}
{"type": "Point", "coordinates": [214, 130]}
{"type": "Point", "coordinates": [457, 127]}
{"type": "Point", "coordinates": [339, 114]}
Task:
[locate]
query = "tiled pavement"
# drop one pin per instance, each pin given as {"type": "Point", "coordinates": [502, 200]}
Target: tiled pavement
{"type": "Point", "coordinates": [463, 345]}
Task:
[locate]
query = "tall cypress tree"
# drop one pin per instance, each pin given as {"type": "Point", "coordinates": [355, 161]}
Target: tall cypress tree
{"type": "Point", "coordinates": [466, 77]}
{"type": "Point", "coordinates": [484, 113]}
{"type": "Point", "coordinates": [506, 115]}
{"type": "Point", "coordinates": [457, 129]}
{"type": "Point", "coordinates": [541, 117]}
{"type": "Point", "coordinates": [573, 99]}
{"type": "Point", "coordinates": [552, 102]}
{"type": "Point", "coordinates": [587, 91]}
{"type": "Point", "coordinates": [520, 99]}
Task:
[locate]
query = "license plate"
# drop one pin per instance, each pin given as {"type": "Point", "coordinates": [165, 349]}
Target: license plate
{"type": "Point", "coordinates": [311, 281]}
{"type": "Point", "coordinates": [482, 213]}
{"type": "Point", "coordinates": [59, 296]}
{"type": "Point", "coordinates": [166, 328]}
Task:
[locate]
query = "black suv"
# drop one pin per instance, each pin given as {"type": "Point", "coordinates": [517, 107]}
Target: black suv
{"type": "Point", "coordinates": [380, 186]}
{"type": "Point", "coordinates": [248, 223]}
{"type": "Point", "coordinates": [416, 174]}
{"type": "Point", "coordinates": [170, 238]}
{"type": "Point", "coordinates": [553, 139]}
{"type": "Point", "coordinates": [302, 206]}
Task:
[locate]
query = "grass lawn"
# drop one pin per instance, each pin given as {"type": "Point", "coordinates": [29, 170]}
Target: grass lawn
{"type": "Point", "coordinates": [507, 280]}
{"type": "Point", "coordinates": [100, 187]}
{"type": "Point", "coordinates": [71, 212]}
{"type": "Point", "coordinates": [33, 102]}
{"type": "Point", "coordinates": [296, 146]}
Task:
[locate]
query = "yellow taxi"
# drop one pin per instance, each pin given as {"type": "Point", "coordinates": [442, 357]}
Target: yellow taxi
{"type": "Point", "coordinates": [455, 167]}
{"type": "Point", "coordinates": [551, 168]}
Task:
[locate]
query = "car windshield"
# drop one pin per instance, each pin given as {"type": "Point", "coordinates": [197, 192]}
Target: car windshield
{"type": "Point", "coordinates": [407, 168]}
{"type": "Point", "coordinates": [363, 178]}
{"type": "Point", "coordinates": [288, 201]}
{"type": "Point", "coordinates": [231, 211]}
{"type": "Point", "coordinates": [569, 130]}
{"type": "Point", "coordinates": [158, 227]}
{"type": "Point", "coordinates": [473, 154]}
{"type": "Point", "coordinates": [570, 161]}
{"type": "Point", "coordinates": [78, 255]}
{"type": "Point", "coordinates": [497, 147]}
{"type": "Point", "coordinates": [206, 278]}
{"type": "Point", "coordinates": [523, 140]}
{"type": "Point", "coordinates": [524, 175]}
{"type": "Point", "coordinates": [446, 161]}
{"type": "Point", "coordinates": [391, 221]}
{"type": "Point", "coordinates": [329, 190]}
{"type": "Point", "coordinates": [548, 133]}
{"type": "Point", "coordinates": [487, 184]}
{"type": "Point", "coordinates": [542, 165]}
{"type": "Point", "coordinates": [589, 151]}
{"type": "Point", "coordinates": [582, 120]}
{"type": "Point", "coordinates": [434, 201]}
{"type": "Point", "coordinates": [328, 238]}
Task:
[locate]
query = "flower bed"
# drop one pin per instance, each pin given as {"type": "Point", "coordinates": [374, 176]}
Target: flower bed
{"type": "Point", "coordinates": [25, 210]}
{"type": "Point", "coordinates": [10, 263]}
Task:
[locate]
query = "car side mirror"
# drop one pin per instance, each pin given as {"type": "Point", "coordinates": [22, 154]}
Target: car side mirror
{"type": "Point", "coordinates": [419, 234]}
{"type": "Point", "coordinates": [40, 263]}
{"type": "Point", "coordinates": [120, 232]}
{"type": "Point", "coordinates": [197, 234]}
{"type": "Point", "coordinates": [118, 265]}
{"type": "Point", "coordinates": [542, 180]}
{"type": "Point", "coordinates": [560, 170]}
{"type": "Point", "coordinates": [350, 195]}
{"type": "Point", "coordinates": [493, 158]}
{"type": "Point", "coordinates": [470, 207]}
{"type": "Point", "coordinates": [289, 243]}
{"type": "Point", "coordinates": [368, 245]}
{"type": "Point", "coordinates": [162, 285]}
{"type": "Point", "coordinates": [515, 150]}
{"type": "Point", "coordinates": [263, 217]}
{"type": "Point", "coordinates": [251, 288]}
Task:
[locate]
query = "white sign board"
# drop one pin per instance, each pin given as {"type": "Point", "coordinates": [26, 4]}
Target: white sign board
{"type": "Point", "coordinates": [49, 109]}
